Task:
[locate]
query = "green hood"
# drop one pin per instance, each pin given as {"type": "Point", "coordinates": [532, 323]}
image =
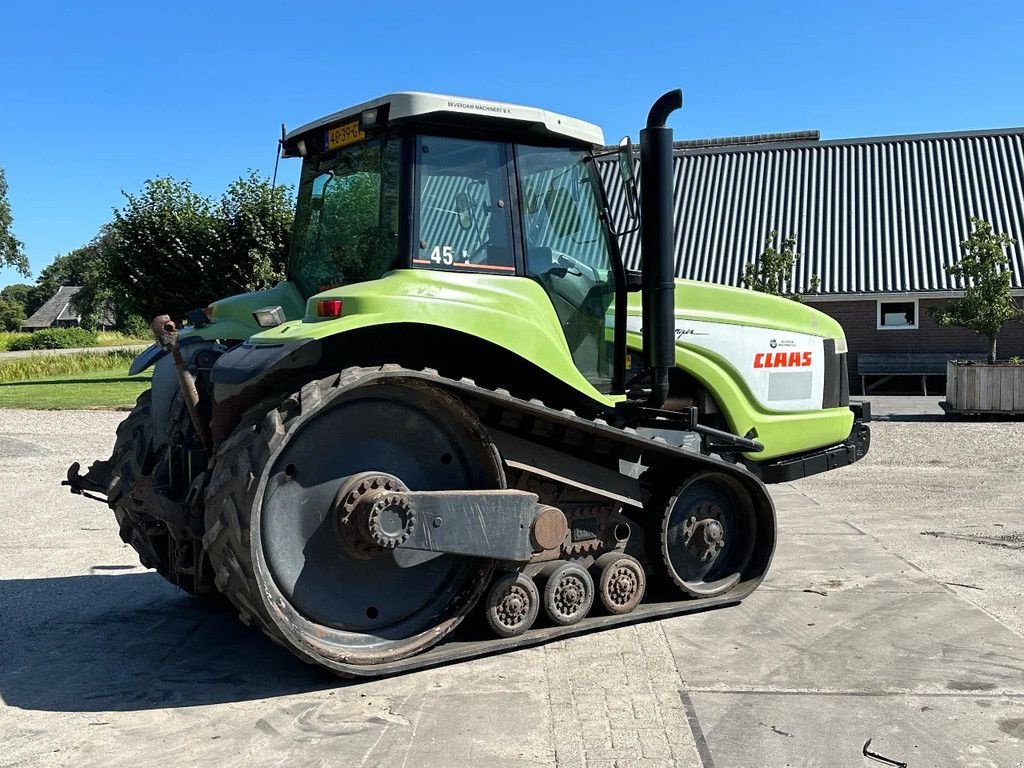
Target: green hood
{"type": "Point", "coordinates": [739, 306]}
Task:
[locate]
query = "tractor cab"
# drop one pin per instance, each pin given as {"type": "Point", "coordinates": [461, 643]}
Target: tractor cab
{"type": "Point", "coordinates": [477, 188]}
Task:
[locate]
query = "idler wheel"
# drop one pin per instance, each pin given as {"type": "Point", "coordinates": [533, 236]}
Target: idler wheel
{"type": "Point", "coordinates": [512, 605]}
{"type": "Point", "coordinates": [568, 594]}
{"type": "Point", "coordinates": [708, 535]}
{"type": "Point", "coordinates": [621, 582]}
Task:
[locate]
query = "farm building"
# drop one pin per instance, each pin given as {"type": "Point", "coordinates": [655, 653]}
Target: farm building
{"type": "Point", "coordinates": [59, 312]}
{"type": "Point", "coordinates": [877, 220]}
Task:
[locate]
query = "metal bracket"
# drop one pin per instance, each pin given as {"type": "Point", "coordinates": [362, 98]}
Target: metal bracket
{"type": "Point", "coordinates": [687, 419]}
{"type": "Point", "coordinates": [493, 524]}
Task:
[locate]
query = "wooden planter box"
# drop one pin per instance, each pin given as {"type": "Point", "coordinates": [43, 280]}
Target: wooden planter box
{"type": "Point", "coordinates": [983, 388]}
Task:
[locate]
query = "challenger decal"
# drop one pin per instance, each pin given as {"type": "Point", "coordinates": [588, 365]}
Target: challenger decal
{"type": "Point", "coordinates": [782, 359]}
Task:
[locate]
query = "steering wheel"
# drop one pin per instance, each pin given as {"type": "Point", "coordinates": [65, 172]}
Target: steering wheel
{"type": "Point", "coordinates": [481, 248]}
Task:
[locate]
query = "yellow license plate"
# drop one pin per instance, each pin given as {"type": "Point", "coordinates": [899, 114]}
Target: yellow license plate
{"type": "Point", "coordinates": [343, 135]}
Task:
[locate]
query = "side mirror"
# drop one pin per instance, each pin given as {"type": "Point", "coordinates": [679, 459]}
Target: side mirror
{"type": "Point", "coordinates": [320, 184]}
{"type": "Point", "coordinates": [626, 172]}
{"type": "Point", "coordinates": [530, 201]}
{"type": "Point", "coordinates": [563, 213]}
{"type": "Point", "coordinates": [464, 211]}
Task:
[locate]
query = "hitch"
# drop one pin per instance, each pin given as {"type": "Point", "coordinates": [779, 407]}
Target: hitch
{"type": "Point", "coordinates": [87, 485]}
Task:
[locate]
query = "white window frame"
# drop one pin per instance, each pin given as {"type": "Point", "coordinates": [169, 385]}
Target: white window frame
{"type": "Point", "coordinates": [895, 300]}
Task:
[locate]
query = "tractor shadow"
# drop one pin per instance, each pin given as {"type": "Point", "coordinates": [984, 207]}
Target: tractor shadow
{"type": "Point", "coordinates": [133, 642]}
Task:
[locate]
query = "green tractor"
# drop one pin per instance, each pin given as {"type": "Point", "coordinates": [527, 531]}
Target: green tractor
{"type": "Point", "coordinates": [462, 425]}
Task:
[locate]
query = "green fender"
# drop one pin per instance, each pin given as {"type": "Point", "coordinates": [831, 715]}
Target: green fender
{"type": "Point", "coordinates": [513, 313]}
{"type": "Point", "coordinates": [231, 318]}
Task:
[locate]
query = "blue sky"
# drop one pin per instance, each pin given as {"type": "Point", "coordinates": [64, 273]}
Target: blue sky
{"type": "Point", "coordinates": [97, 97]}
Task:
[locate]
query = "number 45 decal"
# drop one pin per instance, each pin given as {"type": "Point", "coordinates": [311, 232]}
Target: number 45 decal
{"type": "Point", "coordinates": [445, 254]}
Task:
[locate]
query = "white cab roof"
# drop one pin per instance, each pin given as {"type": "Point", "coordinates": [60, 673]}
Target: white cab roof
{"type": "Point", "coordinates": [411, 105]}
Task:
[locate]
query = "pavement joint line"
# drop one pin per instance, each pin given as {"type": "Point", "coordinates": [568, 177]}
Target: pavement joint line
{"type": "Point", "coordinates": [865, 694]}
{"type": "Point", "coordinates": [850, 590]}
{"type": "Point", "coordinates": [855, 528]}
{"type": "Point", "coordinates": [945, 587]}
{"type": "Point", "coordinates": [796, 490]}
{"type": "Point", "coordinates": [703, 751]}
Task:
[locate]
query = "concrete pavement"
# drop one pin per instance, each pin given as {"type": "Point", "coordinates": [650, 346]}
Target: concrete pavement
{"type": "Point", "coordinates": [893, 611]}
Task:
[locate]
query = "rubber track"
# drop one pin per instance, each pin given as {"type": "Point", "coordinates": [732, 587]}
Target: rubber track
{"type": "Point", "coordinates": [239, 462]}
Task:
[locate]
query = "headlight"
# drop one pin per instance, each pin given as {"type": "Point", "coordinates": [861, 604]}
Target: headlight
{"type": "Point", "coordinates": [268, 317]}
{"type": "Point", "coordinates": [841, 346]}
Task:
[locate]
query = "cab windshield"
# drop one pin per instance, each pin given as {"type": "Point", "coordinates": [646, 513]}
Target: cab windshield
{"type": "Point", "coordinates": [346, 218]}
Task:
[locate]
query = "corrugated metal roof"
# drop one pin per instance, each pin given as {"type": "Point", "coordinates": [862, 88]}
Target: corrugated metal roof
{"type": "Point", "coordinates": [870, 215]}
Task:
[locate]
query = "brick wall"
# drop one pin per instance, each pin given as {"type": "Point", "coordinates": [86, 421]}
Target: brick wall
{"type": "Point", "coordinates": [859, 321]}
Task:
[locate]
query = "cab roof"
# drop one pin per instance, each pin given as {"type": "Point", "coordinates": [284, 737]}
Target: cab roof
{"type": "Point", "coordinates": [434, 109]}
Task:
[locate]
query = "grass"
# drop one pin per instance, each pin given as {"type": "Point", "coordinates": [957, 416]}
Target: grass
{"type": "Point", "coordinates": [82, 389]}
{"type": "Point", "coordinates": [118, 339]}
{"type": "Point", "coordinates": [107, 339]}
{"type": "Point", "coordinates": [88, 380]}
{"type": "Point", "coordinates": [50, 366]}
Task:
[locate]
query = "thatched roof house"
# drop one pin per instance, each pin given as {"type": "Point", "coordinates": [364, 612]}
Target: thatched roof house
{"type": "Point", "coordinates": [60, 312]}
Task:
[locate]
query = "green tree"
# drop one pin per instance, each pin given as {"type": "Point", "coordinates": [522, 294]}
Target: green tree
{"type": "Point", "coordinates": [12, 315]}
{"type": "Point", "coordinates": [772, 271]}
{"type": "Point", "coordinates": [171, 250]}
{"type": "Point", "coordinates": [255, 222]}
{"type": "Point", "coordinates": [986, 305]}
{"type": "Point", "coordinates": [12, 251]}
{"type": "Point", "coordinates": [20, 293]}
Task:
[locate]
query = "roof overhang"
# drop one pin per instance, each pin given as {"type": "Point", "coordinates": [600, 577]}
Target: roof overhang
{"type": "Point", "coordinates": [433, 109]}
{"type": "Point", "coordinates": [814, 298]}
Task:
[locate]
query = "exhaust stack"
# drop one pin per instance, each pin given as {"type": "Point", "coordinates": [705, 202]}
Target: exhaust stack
{"type": "Point", "coordinates": [656, 239]}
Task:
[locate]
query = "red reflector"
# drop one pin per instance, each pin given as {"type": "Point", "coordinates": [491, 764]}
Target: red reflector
{"type": "Point", "coordinates": [328, 308]}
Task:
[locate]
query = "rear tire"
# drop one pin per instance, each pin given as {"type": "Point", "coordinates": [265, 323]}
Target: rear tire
{"type": "Point", "coordinates": [130, 460]}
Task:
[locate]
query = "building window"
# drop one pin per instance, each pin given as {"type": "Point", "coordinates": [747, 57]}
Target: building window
{"type": "Point", "coordinates": [897, 314]}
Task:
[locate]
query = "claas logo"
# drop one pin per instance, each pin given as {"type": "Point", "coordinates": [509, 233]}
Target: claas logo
{"type": "Point", "coordinates": [782, 359]}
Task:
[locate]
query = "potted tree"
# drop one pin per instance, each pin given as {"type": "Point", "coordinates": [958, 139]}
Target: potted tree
{"type": "Point", "coordinates": [986, 306]}
{"type": "Point", "coordinates": [772, 271]}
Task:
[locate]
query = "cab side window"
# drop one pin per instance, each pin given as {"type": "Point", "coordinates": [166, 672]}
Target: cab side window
{"type": "Point", "coordinates": [463, 216]}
